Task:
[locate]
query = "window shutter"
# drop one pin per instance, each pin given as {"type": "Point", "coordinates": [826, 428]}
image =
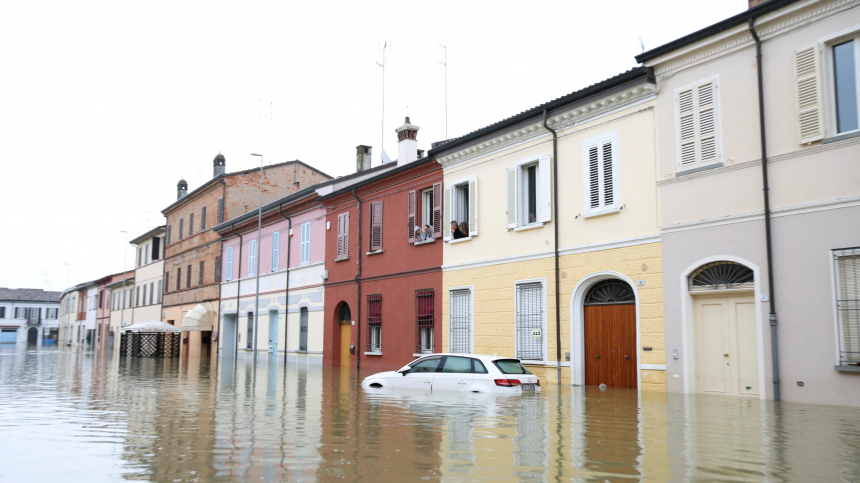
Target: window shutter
{"type": "Point", "coordinates": [343, 235]}
{"type": "Point", "coordinates": [200, 277]}
{"type": "Point", "coordinates": [376, 226]}
{"type": "Point", "coordinates": [698, 124]}
{"type": "Point", "coordinates": [220, 210]}
{"type": "Point", "coordinates": [252, 258]}
{"type": "Point", "coordinates": [473, 207]}
{"type": "Point", "coordinates": [410, 215]}
{"type": "Point", "coordinates": [188, 277]}
{"type": "Point", "coordinates": [305, 245]}
{"type": "Point", "coordinates": [276, 250]}
{"type": "Point", "coordinates": [181, 227]}
{"type": "Point", "coordinates": [160, 290]}
{"type": "Point", "coordinates": [203, 219]}
{"type": "Point", "coordinates": [217, 269]}
{"type": "Point", "coordinates": [707, 122]}
{"type": "Point", "coordinates": [446, 213]}
{"type": "Point", "coordinates": [191, 224]}
{"type": "Point", "coordinates": [810, 115]}
{"type": "Point", "coordinates": [229, 267]}
{"type": "Point", "coordinates": [512, 175]}
{"type": "Point", "coordinates": [593, 177]}
{"type": "Point", "coordinates": [544, 190]}
{"type": "Point", "coordinates": [437, 210]}
{"type": "Point", "coordinates": [601, 190]}
{"type": "Point", "coordinates": [608, 175]}
{"type": "Point", "coordinates": [169, 232]}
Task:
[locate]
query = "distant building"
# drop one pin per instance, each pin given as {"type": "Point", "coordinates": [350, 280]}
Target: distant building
{"type": "Point", "coordinates": [29, 316]}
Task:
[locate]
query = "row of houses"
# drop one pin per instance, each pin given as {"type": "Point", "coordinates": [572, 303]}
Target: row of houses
{"type": "Point", "coordinates": [29, 316]}
{"type": "Point", "coordinates": [690, 225]}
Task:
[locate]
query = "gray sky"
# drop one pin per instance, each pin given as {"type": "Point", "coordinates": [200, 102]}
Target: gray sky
{"type": "Point", "coordinates": [104, 106]}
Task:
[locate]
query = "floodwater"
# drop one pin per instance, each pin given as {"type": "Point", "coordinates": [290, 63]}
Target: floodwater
{"type": "Point", "coordinates": [67, 415]}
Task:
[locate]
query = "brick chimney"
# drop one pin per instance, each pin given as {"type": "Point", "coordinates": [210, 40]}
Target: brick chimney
{"type": "Point", "coordinates": [181, 189]}
{"type": "Point", "coordinates": [219, 165]}
{"type": "Point", "coordinates": [362, 157]}
{"type": "Point", "coordinates": [407, 143]}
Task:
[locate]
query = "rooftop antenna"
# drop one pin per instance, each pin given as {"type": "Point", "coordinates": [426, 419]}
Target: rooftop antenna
{"type": "Point", "coordinates": [271, 117]}
{"type": "Point", "coordinates": [383, 92]}
{"type": "Point", "coordinates": [642, 44]}
{"type": "Point", "coordinates": [445, 63]}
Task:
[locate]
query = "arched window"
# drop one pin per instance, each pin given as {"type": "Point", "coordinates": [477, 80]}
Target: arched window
{"type": "Point", "coordinates": [721, 275]}
{"type": "Point", "coordinates": [610, 292]}
{"type": "Point", "coordinates": [345, 315]}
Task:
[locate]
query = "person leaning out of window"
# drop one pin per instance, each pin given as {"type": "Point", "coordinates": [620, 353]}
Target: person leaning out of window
{"type": "Point", "coordinates": [455, 231]}
{"type": "Point", "coordinates": [419, 234]}
{"type": "Point", "coordinates": [428, 232]}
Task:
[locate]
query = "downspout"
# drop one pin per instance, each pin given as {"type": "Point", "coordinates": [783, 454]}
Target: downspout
{"type": "Point", "coordinates": [555, 233]}
{"type": "Point", "coordinates": [358, 284]}
{"type": "Point", "coordinates": [238, 287]}
{"type": "Point", "coordinates": [287, 292]}
{"type": "Point", "coordinates": [774, 347]}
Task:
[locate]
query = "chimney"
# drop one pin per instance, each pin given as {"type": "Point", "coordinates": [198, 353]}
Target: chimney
{"type": "Point", "coordinates": [407, 142]}
{"type": "Point", "coordinates": [362, 157]}
{"type": "Point", "coordinates": [755, 3]}
{"type": "Point", "coordinates": [220, 165]}
{"type": "Point", "coordinates": [181, 189]}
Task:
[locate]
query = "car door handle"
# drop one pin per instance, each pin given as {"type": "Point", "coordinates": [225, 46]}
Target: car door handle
{"type": "Point", "coordinates": [461, 382]}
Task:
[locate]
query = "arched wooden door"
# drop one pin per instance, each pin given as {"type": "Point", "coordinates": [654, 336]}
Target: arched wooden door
{"type": "Point", "coordinates": [33, 336]}
{"type": "Point", "coordinates": [345, 323]}
{"type": "Point", "coordinates": [610, 335]}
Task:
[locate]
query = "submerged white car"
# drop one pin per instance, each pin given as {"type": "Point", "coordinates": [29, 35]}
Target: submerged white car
{"type": "Point", "coordinates": [460, 373]}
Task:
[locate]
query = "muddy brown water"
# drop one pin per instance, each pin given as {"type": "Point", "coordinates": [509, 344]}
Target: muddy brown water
{"type": "Point", "coordinates": [70, 416]}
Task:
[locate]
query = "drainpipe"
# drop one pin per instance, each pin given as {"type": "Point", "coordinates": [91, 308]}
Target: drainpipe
{"type": "Point", "coordinates": [238, 291]}
{"type": "Point", "coordinates": [287, 292]}
{"type": "Point", "coordinates": [774, 347]}
{"type": "Point", "coordinates": [555, 223]}
{"type": "Point", "coordinates": [358, 284]}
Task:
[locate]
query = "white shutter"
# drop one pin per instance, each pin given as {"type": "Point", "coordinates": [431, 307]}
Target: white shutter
{"type": "Point", "coordinates": [252, 258]}
{"type": "Point", "coordinates": [473, 207]}
{"type": "Point", "coordinates": [600, 171]}
{"type": "Point", "coordinates": [697, 114]}
{"type": "Point", "coordinates": [446, 214]}
{"type": "Point", "coordinates": [607, 174]}
{"type": "Point", "coordinates": [229, 268]}
{"type": "Point", "coordinates": [707, 122]}
{"type": "Point", "coordinates": [810, 114]}
{"type": "Point", "coordinates": [544, 197]}
{"type": "Point", "coordinates": [306, 244]}
{"type": "Point", "coordinates": [512, 176]}
{"type": "Point", "coordinates": [276, 250]}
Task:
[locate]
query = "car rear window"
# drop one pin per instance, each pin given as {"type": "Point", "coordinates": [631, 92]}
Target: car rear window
{"type": "Point", "coordinates": [511, 366]}
{"type": "Point", "coordinates": [478, 367]}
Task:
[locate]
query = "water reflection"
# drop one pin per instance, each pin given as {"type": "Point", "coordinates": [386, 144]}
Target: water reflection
{"type": "Point", "coordinates": [73, 416]}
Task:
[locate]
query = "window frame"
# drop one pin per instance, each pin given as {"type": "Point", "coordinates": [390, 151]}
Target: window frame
{"type": "Point", "coordinates": [370, 348]}
{"type": "Point", "coordinates": [680, 168]}
{"type": "Point", "coordinates": [599, 141]}
{"type": "Point", "coordinates": [422, 322]}
{"type": "Point", "coordinates": [471, 313]}
{"type": "Point", "coordinates": [544, 316]}
{"type": "Point", "coordinates": [426, 207]}
{"type": "Point", "coordinates": [827, 78]}
{"type": "Point", "coordinates": [450, 198]}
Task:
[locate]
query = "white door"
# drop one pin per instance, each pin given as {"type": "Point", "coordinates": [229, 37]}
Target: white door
{"type": "Point", "coordinates": [456, 375]}
{"type": "Point", "coordinates": [421, 375]}
{"type": "Point", "coordinates": [727, 345]}
{"type": "Point", "coordinates": [273, 331]}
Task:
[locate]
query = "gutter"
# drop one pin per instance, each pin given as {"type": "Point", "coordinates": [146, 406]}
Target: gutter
{"type": "Point", "coordinates": [238, 290]}
{"type": "Point", "coordinates": [774, 347]}
{"type": "Point", "coordinates": [358, 284]}
{"type": "Point", "coordinates": [555, 230]}
{"type": "Point", "coordinates": [287, 291]}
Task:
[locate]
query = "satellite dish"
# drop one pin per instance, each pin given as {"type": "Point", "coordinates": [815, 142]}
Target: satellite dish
{"type": "Point", "coordinates": [385, 158]}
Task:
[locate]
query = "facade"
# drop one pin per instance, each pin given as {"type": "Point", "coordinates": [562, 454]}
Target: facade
{"type": "Point", "coordinates": [77, 326]}
{"type": "Point", "coordinates": [29, 316]}
{"type": "Point", "coordinates": [499, 281]}
{"type": "Point", "coordinates": [68, 314]}
{"type": "Point", "coordinates": [290, 258]}
{"type": "Point", "coordinates": [122, 311]}
{"type": "Point", "coordinates": [382, 292]}
{"type": "Point", "coordinates": [724, 315]}
{"type": "Point", "coordinates": [100, 342]}
{"type": "Point", "coordinates": [193, 250]}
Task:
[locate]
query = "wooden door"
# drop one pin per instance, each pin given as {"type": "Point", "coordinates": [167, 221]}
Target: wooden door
{"type": "Point", "coordinates": [726, 345]}
{"type": "Point", "coordinates": [610, 345]}
{"type": "Point", "coordinates": [345, 339]}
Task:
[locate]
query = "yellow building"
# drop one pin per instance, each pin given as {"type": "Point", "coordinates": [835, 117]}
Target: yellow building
{"type": "Point", "coordinates": [499, 275]}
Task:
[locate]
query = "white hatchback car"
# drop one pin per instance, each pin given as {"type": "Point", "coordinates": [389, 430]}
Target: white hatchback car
{"type": "Point", "coordinates": [460, 373]}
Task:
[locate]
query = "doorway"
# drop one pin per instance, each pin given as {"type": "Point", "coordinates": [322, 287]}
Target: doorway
{"type": "Point", "coordinates": [273, 331]}
{"type": "Point", "coordinates": [726, 341]}
{"type": "Point", "coordinates": [228, 336]}
{"type": "Point", "coordinates": [345, 327]}
{"type": "Point", "coordinates": [609, 327]}
{"type": "Point", "coordinates": [303, 329]}
{"type": "Point", "coordinates": [32, 336]}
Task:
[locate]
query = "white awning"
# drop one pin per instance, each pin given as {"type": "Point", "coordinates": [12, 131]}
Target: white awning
{"type": "Point", "coordinates": [151, 326]}
{"type": "Point", "coordinates": [201, 317]}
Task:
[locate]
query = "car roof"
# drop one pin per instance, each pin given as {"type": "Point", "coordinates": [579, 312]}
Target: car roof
{"type": "Point", "coordinates": [482, 357]}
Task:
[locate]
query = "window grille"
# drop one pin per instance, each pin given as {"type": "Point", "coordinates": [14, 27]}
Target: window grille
{"type": "Point", "coordinates": [460, 322]}
{"type": "Point", "coordinates": [721, 275]}
{"type": "Point", "coordinates": [424, 301]}
{"type": "Point", "coordinates": [529, 321]}
{"type": "Point", "coordinates": [345, 316]}
{"type": "Point", "coordinates": [610, 292]}
{"type": "Point", "coordinates": [374, 323]}
{"type": "Point", "coordinates": [847, 273]}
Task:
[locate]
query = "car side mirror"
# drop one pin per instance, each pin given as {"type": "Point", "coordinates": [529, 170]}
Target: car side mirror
{"type": "Point", "coordinates": [404, 370]}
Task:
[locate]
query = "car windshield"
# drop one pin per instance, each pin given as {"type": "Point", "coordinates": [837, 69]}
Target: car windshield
{"type": "Point", "coordinates": [511, 366]}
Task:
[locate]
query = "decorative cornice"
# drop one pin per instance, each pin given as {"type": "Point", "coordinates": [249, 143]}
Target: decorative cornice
{"type": "Point", "coordinates": [558, 122]}
{"type": "Point", "coordinates": [820, 148]}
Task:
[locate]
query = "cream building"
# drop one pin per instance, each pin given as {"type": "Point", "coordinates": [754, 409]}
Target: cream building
{"type": "Point", "coordinates": [500, 281]}
{"type": "Point", "coordinates": [724, 315]}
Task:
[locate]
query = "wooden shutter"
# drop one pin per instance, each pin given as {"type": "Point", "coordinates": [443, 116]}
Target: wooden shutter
{"type": "Point", "coordinates": [188, 277]}
{"type": "Point", "coordinates": [593, 177]}
{"type": "Point", "coordinates": [600, 170]}
{"type": "Point", "coordinates": [305, 245]}
{"type": "Point", "coordinates": [473, 207]}
{"type": "Point", "coordinates": [437, 210]}
{"type": "Point", "coordinates": [410, 215]}
{"type": "Point", "coordinates": [544, 190]}
{"type": "Point", "coordinates": [200, 277]}
{"type": "Point", "coordinates": [169, 232]}
{"type": "Point", "coordinates": [810, 114]}
{"type": "Point", "coordinates": [376, 226]}
{"type": "Point", "coordinates": [252, 258]}
{"type": "Point", "coordinates": [217, 269]}
{"type": "Point", "coordinates": [706, 95]}
{"type": "Point", "coordinates": [512, 177]}
{"type": "Point", "coordinates": [446, 213]}
{"type": "Point", "coordinates": [698, 124]}
{"type": "Point", "coordinates": [607, 173]}
{"type": "Point", "coordinates": [191, 224]}
{"type": "Point", "coordinates": [229, 263]}
{"type": "Point", "coordinates": [181, 227]}
{"type": "Point", "coordinates": [166, 286]}
{"type": "Point", "coordinates": [203, 219]}
{"type": "Point", "coordinates": [343, 235]}
{"type": "Point", "coordinates": [276, 251]}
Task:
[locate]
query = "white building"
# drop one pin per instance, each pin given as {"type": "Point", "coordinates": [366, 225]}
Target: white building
{"type": "Point", "coordinates": [29, 316]}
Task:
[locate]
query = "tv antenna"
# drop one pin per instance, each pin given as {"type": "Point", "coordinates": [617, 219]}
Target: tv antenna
{"type": "Point", "coordinates": [445, 63]}
{"type": "Point", "coordinates": [383, 92]}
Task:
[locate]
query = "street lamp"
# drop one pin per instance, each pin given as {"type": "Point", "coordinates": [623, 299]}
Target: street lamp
{"type": "Point", "coordinates": [257, 258]}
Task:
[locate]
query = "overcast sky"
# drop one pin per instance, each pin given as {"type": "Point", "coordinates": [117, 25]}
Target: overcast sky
{"type": "Point", "coordinates": [104, 106]}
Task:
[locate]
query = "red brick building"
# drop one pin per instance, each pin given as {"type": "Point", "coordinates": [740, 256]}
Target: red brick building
{"type": "Point", "coordinates": [383, 291]}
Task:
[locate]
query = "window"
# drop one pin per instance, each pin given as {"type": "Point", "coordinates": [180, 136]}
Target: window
{"type": "Point", "coordinates": [169, 232]}
{"type": "Point", "coordinates": [181, 227]}
{"type": "Point", "coordinates": [424, 321]}
{"type": "Point", "coordinates": [203, 219]}
{"type": "Point", "coordinates": [276, 249]}
{"type": "Point", "coordinates": [101, 298]}
{"type": "Point", "coordinates": [190, 224]}
{"type": "Point", "coordinates": [200, 274]}
{"type": "Point", "coordinates": [600, 172]}
{"type": "Point", "coordinates": [178, 278]}
{"type": "Point", "coordinates": [249, 343]}
{"type": "Point", "coordinates": [20, 312]}
{"type": "Point", "coordinates": [156, 248]}
{"type": "Point", "coordinates": [188, 277]}
{"type": "Point", "coordinates": [144, 294]}
{"type": "Point", "coordinates": [49, 314]}
{"type": "Point", "coordinates": [375, 226]}
{"type": "Point", "coordinates": [460, 321]}
{"type": "Point", "coordinates": [167, 280]}
{"type": "Point", "coordinates": [342, 236]}
{"type": "Point", "coordinates": [139, 256]}
{"type": "Point", "coordinates": [124, 297]}
{"type": "Point", "coordinates": [374, 323]}
{"type": "Point", "coordinates": [429, 212]}
{"type": "Point", "coordinates": [461, 365]}
{"type": "Point", "coordinates": [306, 244]}
{"type": "Point", "coordinates": [697, 124]}
{"type": "Point", "coordinates": [529, 321]}
{"type": "Point", "coordinates": [843, 58]}
{"type": "Point", "coordinates": [2, 312]}
{"type": "Point", "coordinates": [427, 207]}
{"type": "Point", "coordinates": [220, 210]}
{"type": "Point", "coordinates": [252, 258]}
{"type": "Point", "coordinates": [528, 192]}
{"type": "Point", "coordinates": [151, 292]}
{"type": "Point", "coordinates": [160, 289]}
{"type": "Point", "coordinates": [461, 206]}
{"type": "Point", "coordinates": [429, 364]}
{"type": "Point", "coordinates": [137, 297]}
{"type": "Point", "coordinates": [847, 272]}
{"type": "Point", "coordinates": [218, 269]}
{"type": "Point", "coordinates": [228, 275]}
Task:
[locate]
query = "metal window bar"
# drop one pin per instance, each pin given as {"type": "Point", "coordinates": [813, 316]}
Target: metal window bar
{"type": "Point", "coordinates": [847, 272]}
{"type": "Point", "coordinates": [424, 321]}
{"type": "Point", "coordinates": [460, 322]}
{"type": "Point", "coordinates": [374, 323]}
{"type": "Point", "coordinates": [529, 321]}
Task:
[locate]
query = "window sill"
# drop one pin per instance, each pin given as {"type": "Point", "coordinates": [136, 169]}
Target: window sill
{"type": "Point", "coordinates": [602, 212]}
{"type": "Point", "coordinates": [840, 137]}
{"type": "Point", "coordinates": [432, 240]}
{"type": "Point", "coordinates": [340, 259]}
{"type": "Point", "coordinates": [375, 252]}
{"type": "Point", "coordinates": [373, 353]}
{"type": "Point", "coordinates": [696, 170]}
{"type": "Point", "coordinates": [847, 368]}
{"type": "Point", "coordinates": [529, 227]}
{"type": "Point", "coordinates": [460, 240]}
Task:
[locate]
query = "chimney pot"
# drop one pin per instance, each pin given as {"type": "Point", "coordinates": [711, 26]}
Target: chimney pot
{"type": "Point", "coordinates": [407, 142]}
{"type": "Point", "coordinates": [362, 157]}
